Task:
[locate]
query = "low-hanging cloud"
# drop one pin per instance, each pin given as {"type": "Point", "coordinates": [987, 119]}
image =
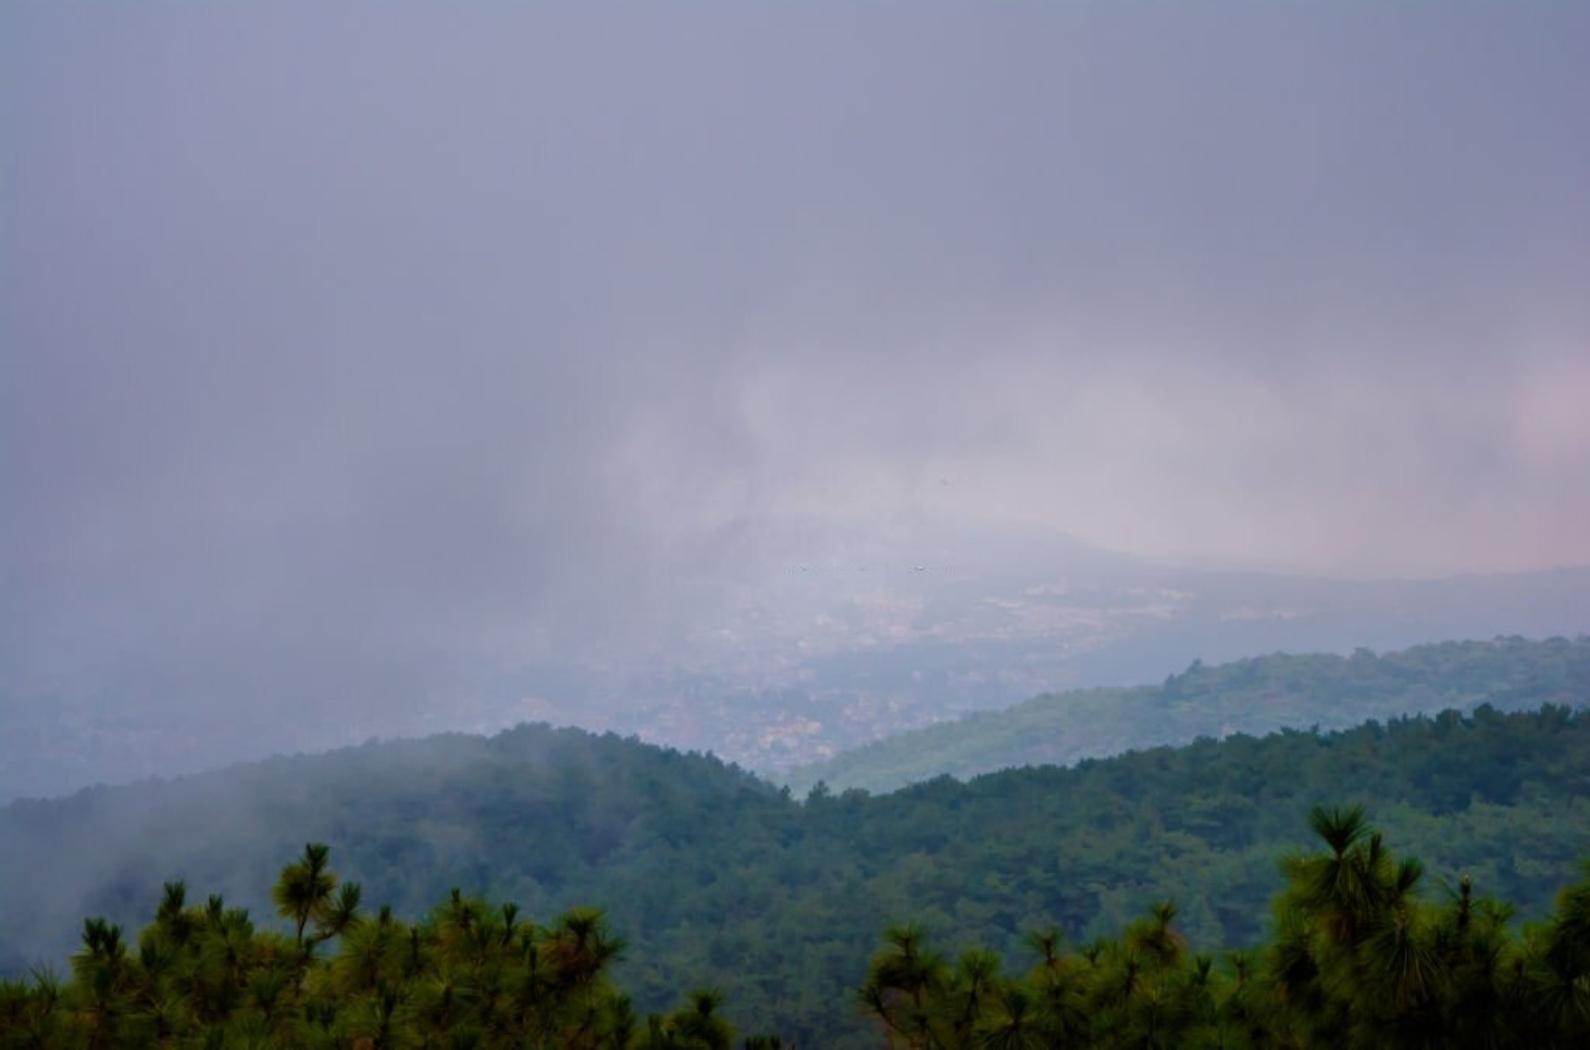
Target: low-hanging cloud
{"type": "Point", "coordinates": [349, 350]}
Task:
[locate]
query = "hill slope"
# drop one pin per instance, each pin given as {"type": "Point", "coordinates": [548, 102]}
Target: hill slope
{"type": "Point", "coordinates": [716, 878]}
{"type": "Point", "coordinates": [1249, 696]}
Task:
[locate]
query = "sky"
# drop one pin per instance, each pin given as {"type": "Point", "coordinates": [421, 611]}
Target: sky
{"type": "Point", "coordinates": [365, 344]}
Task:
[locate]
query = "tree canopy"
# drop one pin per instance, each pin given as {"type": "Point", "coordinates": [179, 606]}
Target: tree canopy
{"type": "Point", "coordinates": [1356, 959]}
{"type": "Point", "coordinates": [1258, 695]}
{"type": "Point", "coordinates": [717, 879]}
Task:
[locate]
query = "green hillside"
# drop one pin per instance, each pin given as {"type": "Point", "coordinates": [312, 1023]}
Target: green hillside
{"type": "Point", "coordinates": [1258, 695]}
{"type": "Point", "coordinates": [1357, 957]}
{"type": "Point", "coordinates": [714, 878]}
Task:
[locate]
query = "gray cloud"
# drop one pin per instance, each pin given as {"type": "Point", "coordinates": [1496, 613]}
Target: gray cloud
{"type": "Point", "coordinates": [346, 351]}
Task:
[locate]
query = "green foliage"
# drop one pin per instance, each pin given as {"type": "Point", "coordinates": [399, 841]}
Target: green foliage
{"type": "Point", "coordinates": [1357, 960]}
{"type": "Point", "coordinates": [1259, 695]}
{"type": "Point", "coordinates": [468, 975]}
{"type": "Point", "coordinates": [718, 880]}
{"type": "Point", "coordinates": [303, 893]}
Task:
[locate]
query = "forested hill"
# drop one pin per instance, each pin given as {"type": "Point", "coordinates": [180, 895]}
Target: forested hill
{"type": "Point", "coordinates": [715, 878]}
{"type": "Point", "coordinates": [1257, 695]}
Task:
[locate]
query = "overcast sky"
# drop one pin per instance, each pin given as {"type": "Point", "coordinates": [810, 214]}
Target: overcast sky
{"type": "Point", "coordinates": [370, 339]}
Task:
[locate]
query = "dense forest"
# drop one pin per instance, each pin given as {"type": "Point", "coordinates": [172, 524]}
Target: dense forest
{"type": "Point", "coordinates": [1258, 695]}
{"type": "Point", "coordinates": [471, 974]}
{"type": "Point", "coordinates": [1356, 959]}
{"type": "Point", "coordinates": [716, 878]}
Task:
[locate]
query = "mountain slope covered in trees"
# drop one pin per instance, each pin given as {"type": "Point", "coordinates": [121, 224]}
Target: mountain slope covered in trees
{"type": "Point", "coordinates": [1356, 959]}
{"type": "Point", "coordinates": [716, 878]}
{"type": "Point", "coordinates": [1258, 695]}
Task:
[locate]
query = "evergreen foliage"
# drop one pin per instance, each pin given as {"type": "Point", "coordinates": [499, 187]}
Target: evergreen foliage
{"type": "Point", "coordinates": [1258, 695]}
{"type": "Point", "coordinates": [1356, 960]}
{"type": "Point", "coordinates": [468, 975]}
{"type": "Point", "coordinates": [718, 880]}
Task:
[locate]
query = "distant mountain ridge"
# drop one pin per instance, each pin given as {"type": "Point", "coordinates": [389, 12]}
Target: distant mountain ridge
{"type": "Point", "coordinates": [717, 878]}
{"type": "Point", "coordinates": [795, 666]}
{"type": "Point", "coordinates": [1258, 695]}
